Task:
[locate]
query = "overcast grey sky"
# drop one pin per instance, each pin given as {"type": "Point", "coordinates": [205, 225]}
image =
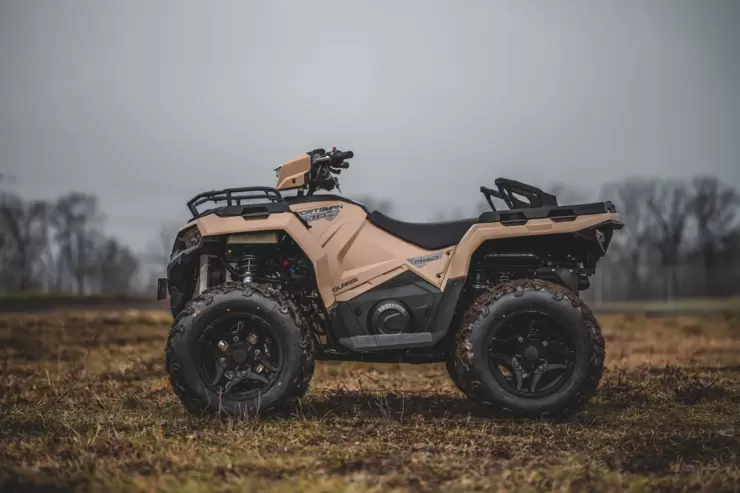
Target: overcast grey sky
{"type": "Point", "coordinates": [147, 103]}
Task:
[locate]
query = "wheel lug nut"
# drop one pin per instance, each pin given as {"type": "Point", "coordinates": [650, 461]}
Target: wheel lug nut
{"type": "Point", "coordinates": [243, 373]}
{"type": "Point", "coordinates": [259, 368]}
{"type": "Point", "coordinates": [222, 360]}
{"type": "Point", "coordinates": [252, 338]}
{"type": "Point", "coordinates": [520, 339]}
{"type": "Point", "coordinates": [236, 339]}
{"type": "Point", "coordinates": [223, 346]}
{"type": "Point", "coordinates": [544, 343]}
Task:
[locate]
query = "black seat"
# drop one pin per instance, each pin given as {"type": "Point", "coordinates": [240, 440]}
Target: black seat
{"type": "Point", "coordinates": [430, 236]}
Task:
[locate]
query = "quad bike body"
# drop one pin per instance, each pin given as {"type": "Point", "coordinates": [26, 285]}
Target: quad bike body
{"type": "Point", "coordinates": [266, 282]}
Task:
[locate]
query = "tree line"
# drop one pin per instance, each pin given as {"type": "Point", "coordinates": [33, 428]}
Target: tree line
{"type": "Point", "coordinates": [58, 246]}
{"type": "Point", "coordinates": [681, 239]}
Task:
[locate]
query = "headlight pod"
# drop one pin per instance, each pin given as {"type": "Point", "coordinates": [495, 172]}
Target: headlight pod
{"type": "Point", "coordinates": [191, 237]}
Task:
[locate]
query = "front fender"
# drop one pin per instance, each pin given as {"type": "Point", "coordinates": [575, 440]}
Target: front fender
{"type": "Point", "coordinates": [183, 265]}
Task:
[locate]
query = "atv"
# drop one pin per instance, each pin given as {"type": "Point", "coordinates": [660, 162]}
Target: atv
{"type": "Point", "coordinates": [262, 284]}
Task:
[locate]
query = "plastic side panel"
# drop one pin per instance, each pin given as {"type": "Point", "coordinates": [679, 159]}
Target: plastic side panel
{"type": "Point", "coordinates": [482, 232]}
{"type": "Point", "coordinates": [429, 330]}
{"type": "Point", "coordinates": [360, 255]}
{"type": "Point", "coordinates": [293, 173]}
{"type": "Point", "coordinates": [213, 225]}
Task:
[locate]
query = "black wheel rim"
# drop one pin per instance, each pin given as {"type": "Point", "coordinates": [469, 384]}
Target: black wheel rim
{"type": "Point", "coordinates": [531, 354]}
{"type": "Point", "coordinates": [239, 356]}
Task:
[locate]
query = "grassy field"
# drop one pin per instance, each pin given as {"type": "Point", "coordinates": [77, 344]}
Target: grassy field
{"type": "Point", "coordinates": [31, 301]}
{"type": "Point", "coordinates": [85, 406]}
{"type": "Point", "coordinates": [693, 306]}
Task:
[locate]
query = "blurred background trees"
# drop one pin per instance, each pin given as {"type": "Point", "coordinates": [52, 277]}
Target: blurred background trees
{"type": "Point", "coordinates": [681, 240]}
{"type": "Point", "coordinates": [59, 246]}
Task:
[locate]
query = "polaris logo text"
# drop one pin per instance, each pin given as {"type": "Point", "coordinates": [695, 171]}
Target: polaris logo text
{"type": "Point", "coordinates": [344, 285]}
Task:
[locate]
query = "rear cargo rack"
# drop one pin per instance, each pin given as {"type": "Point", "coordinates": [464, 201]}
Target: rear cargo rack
{"type": "Point", "coordinates": [539, 205]}
{"type": "Point", "coordinates": [233, 196]}
{"type": "Point", "coordinates": [509, 189]}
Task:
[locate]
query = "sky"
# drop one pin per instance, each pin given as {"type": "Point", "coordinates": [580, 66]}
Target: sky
{"type": "Point", "coordinates": [148, 103]}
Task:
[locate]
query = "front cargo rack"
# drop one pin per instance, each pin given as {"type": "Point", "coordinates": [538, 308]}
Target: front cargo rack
{"type": "Point", "coordinates": [233, 197]}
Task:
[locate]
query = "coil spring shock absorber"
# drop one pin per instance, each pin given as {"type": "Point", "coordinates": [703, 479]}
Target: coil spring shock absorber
{"type": "Point", "coordinates": [246, 266]}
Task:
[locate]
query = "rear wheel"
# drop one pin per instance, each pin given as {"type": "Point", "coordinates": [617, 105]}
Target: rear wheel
{"type": "Point", "coordinates": [530, 347]}
{"type": "Point", "coordinates": [239, 349]}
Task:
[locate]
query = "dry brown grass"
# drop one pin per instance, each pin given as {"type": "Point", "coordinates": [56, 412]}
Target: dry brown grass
{"type": "Point", "coordinates": [85, 406]}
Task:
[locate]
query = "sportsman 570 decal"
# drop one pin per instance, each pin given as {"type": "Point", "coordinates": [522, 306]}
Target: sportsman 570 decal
{"type": "Point", "coordinates": [328, 212]}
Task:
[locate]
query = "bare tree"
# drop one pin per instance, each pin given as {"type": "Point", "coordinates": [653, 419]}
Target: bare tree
{"type": "Point", "coordinates": [25, 228]}
{"type": "Point", "coordinates": [76, 223]}
{"type": "Point", "coordinates": [158, 249]}
{"type": "Point", "coordinates": [669, 208]}
{"type": "Point", "coordinates": [117, 267]}
{"type": "Point", "coordinates": [714, 207]}
{"type": "Point", "coordinates": [629, 246]}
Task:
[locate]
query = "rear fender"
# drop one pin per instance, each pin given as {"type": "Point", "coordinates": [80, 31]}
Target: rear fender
{"type": "Point", "coordinates": [481, 233]}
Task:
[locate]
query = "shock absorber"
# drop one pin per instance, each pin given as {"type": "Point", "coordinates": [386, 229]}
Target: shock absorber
{"type": "Point", "coordinates": [479, 282]}
{"type": "Point", "coordinates": [246, 266]}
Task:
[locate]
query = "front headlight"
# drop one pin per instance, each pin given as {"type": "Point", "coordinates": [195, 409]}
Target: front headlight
{"type": "Point", "coordinates": [191, 237]}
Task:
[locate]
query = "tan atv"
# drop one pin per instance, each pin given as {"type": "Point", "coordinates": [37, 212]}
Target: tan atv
{"type": "Point", "coordinates": [264, 284]}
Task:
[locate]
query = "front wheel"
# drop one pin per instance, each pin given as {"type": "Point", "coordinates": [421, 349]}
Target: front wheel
{"type": "Point", "coordinates": [238, 350]}
{"type": "Point", "coordinates": [532, 348]}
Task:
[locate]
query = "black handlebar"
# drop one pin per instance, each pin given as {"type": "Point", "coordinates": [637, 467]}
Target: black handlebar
{"type": "Point", "coordinates": [323, 165]}
{"type": "Point", "coordinates": [338, 157]}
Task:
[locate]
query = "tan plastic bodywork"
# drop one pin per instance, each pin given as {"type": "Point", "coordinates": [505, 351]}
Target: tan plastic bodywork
{"type": "Point", "coordinates": [292, 174]}
{"type": "Point", "coordinates": [351, 256]}
{"type": "Point", "coordinates": [479, 233]}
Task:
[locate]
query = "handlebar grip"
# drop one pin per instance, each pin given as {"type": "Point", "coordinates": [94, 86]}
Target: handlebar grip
{"type": "Point", "coordinates": [337, 157]}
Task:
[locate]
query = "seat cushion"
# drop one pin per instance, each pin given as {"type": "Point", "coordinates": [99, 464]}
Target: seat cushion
{"type": "Point", "coordinates": [430, 236]}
